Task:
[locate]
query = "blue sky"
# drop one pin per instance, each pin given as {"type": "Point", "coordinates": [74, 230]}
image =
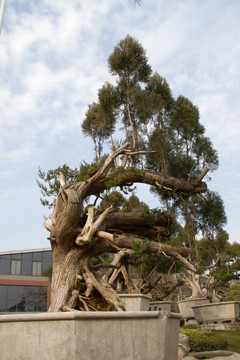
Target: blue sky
{"type": "Point", "coordinates": [53, 59]}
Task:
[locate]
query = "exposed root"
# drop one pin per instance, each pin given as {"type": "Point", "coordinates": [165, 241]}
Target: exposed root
{"type": "Point", "coordinates": [104, 289]}
{"type": "Point", "coordinates": [84, 303]}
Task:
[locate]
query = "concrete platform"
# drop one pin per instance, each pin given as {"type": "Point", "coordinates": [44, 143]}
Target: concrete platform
{"type": "Point", "coordinates": [78, 335]}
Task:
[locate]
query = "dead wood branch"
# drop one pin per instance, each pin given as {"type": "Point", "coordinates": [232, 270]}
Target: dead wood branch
{"type": "Point", "coordinates": [86, 235]}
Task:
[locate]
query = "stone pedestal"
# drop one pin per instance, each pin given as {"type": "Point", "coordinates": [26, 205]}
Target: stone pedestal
{"type": "Point", "coordinates": [90, 336]}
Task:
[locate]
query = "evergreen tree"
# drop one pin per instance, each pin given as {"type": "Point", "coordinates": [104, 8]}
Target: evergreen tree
{"type": "Point", "coordinates": [166, 135]}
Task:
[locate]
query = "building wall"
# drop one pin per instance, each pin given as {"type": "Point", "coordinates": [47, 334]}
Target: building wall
{"type": "Point", "coordinates": [23, 286]}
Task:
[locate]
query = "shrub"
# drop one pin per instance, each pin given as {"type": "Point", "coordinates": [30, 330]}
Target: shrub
{"type": "Point", "coordinates": [200, 340]}
{"type": "Point", "coordinates": [233, 294]}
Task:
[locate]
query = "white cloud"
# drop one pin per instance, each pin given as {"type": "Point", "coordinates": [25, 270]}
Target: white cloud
{"type": "Point", "coordinates": [54, 59]}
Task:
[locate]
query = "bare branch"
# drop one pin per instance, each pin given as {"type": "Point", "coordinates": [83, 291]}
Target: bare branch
{"type": "Point", "coordinates": [107, 165]}
{"type": "Point", "coordinates": [119, 178]}
{"type": "Point", "coordinates": [203, 174]}
{"type": "Point", "coordinates": [86, 235]}
{"type": "Point", "coordinates": [62, 179]}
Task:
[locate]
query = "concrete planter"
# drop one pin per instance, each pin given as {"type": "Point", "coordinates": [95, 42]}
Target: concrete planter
{"type": "Point", "coordinates": [90, 336]}
{"type": "Point", "coordinates": [217, 312]}
{"type": "Point", "coordinates": [185, 307]}
{"type": "Point", "coordinates": [160, 305]}
{"type": "Point", "coordinates": [135, 302]}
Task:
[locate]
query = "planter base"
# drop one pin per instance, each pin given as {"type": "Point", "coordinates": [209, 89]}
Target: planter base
{"type": "Point", "coordinates": [90, 336]}
{"type": "Point", "coordinates": [223, 326]}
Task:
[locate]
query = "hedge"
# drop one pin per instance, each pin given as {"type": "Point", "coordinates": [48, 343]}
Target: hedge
{"type": "Point", "coordinates": [200, 340]}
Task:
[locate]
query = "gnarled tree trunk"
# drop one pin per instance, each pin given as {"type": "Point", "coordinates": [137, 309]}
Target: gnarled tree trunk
{"type": "Point", "coordinates": [77, 236]}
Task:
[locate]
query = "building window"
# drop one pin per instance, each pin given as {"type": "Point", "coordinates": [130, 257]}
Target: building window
{"type": "Point", "coordinates": [15, 267]}
{"type": "Point", "coordinates": [5, 265]}
{"type": "Point", "coordinates": [23, 298]}
{"type": "Point", "coordinates": [37, 268]}
{"type": "Point", "coordinates": [27, 264]}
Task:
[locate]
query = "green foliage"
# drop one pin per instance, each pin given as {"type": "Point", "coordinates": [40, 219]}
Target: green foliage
{"type": "Point", "coordinates": [49, 181]}
{"type": "Point", "coordinates": [105, 258]}
{"type": "Point", "coordinates": [112, 183]}
{"type": "Point", "coordinates": [229, 263]}
{"type": "Point", "coordinates": [142, 105]}
{"type": "Point", "coordinates": [49, 184]}
{"type": "Point", "coordinates": [200, 340]}
{"type": "Point", "coordinates": [122, 204]}
{"type": "Point", "coordinates": [48, 272]}
{"type": "Point", "coordinates": [233, 293]}
{"type": "Point", "coordinates": [129, 62]}
{"type": "Point", "coordinates": [211, 215]}
{"type": "Point", "coordinates": [115, 198]}
{"type": "Point", "coordinates": [232, 337]}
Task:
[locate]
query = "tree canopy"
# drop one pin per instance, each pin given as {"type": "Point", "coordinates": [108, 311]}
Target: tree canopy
{"type": "Point", "coordinates": [163, 144]}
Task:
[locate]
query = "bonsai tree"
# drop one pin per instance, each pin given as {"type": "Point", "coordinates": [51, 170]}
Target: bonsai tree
{"type": "Point", "coordinates": [163, 146]}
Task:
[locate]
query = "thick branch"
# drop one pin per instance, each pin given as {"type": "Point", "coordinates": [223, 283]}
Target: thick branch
{"type": "Point", "coordinates": [119, 178]}
{"type": "Point", "coordinates": [140, 224]}
{"type": "Point", "coordinates": [149, 247]}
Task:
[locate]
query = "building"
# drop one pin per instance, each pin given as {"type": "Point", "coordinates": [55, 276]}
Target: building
{"type": "Point", "coordinates": [24, 281]}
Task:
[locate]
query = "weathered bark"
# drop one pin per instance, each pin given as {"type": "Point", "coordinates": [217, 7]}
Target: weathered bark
{"type": "Point", "coordinates": [77, 236]}
{"type": "Point", "coordinates": [139, 224]}
{"type": "Point", "coordinates": [193, 282]}
{"type": "Point", "coordinates": [212, 291]}
{"type": "Point", "coordinates": [202, 286]}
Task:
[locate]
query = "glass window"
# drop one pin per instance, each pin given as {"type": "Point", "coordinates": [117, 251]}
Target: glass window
{"type": "Point", "coordinates": [11, 305]}
{"type": "Point", "coordinates": [3, 291]}
{"type": "Point", "coordinates": [12, 292]}
{"type": "Point", "coordinates": [15, 267]}
{"type": "Point", "coordinates": [16, 256]}
{"type": "Point", "coordinates": [22, 292]}
{"type": "Point", "coordinates": [3, 305]}
{"type": "Point", "coordinates": [23, 298]}
{"type": "Point", "coordinates": [42, 305]}
{"type": "Point", "coordinates": [37, 268]}
{"type": "Point", "coordinates": [27, 256]}
{"type": "Point", "coordinates": [47, 256]}
{"type": "Point", "coordinates": [26, 267]}
{"type": "Point", "coordinates": [32, 305]}
{"type": "Point", "coordinates": [21, 306]}
{"type": "Point", "coordinates": [42, 293]}
{"type": "Point", "coordinates": [32, 292]}
{"type": "Point", "coordinates": [37, 256]}
{"type": "Point", "coordinates": [5, 266]}
{"type": "Point", "coordinates": [46, 268]}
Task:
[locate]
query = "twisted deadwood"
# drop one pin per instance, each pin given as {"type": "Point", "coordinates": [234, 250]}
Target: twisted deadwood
{"type": "Point", "coordinates": [77, 235]}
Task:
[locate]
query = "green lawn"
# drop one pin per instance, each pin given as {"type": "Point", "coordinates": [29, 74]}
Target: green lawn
{"type": "Point", "coordinates": [233, 339]}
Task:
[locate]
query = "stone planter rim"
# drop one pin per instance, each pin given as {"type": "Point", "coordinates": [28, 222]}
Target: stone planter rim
{"type": "Point", "coordinates": [161, 302]}
{"type": "Point", "coordinates": [135, 296]}
{"type": "Point", "coordinates": [91, 315]}
{"type": "Point", "coordinates": [216, 304]}
{"type": "Point", "coordinates": [189, 300]}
